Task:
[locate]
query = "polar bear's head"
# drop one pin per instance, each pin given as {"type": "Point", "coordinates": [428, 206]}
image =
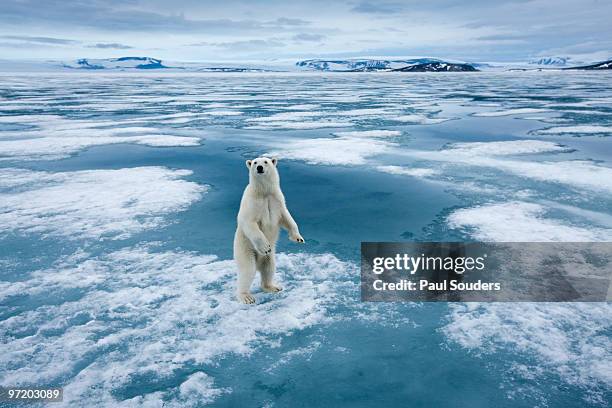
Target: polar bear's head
{"type": "Point", "coordinates": [262, 171]}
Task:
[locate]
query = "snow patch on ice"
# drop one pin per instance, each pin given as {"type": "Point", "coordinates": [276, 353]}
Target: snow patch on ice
{"type": "Point", "coordinates": [519, 221]}
{"type": "Point", "coordinates": [576, 173]}
{"type": "Point", "coordinates": [407, 171]}
{"type": "Point", "coordinates": [94, 203]}
{"type": "Point", "coordinates": [369, 133]}
{"type": "Point", "coordinates": [53, 137]}
{"type": "Point", "coordinates": [286, 116]}
{"type": "Point", "coordinates": [418, 119]}
{"type": "Point", "coordinates": [301, 107]}
{"type": "Point", "coordinates": [198, 389]}
{"type": "Point", "coordinates": [566, 339]}
{"type": "Point", "coordinates": [505, 147]}
{"type": "Point", "coordinates": [290, 125]}
{"type": "Point", "coordinates": [362, 112]}
{"type": "Point", "coordinates": [139, 318]}
{"type": "Point", "coordinates": [332, 151]}
{"type": "Point", "coordinates": [578, 129]}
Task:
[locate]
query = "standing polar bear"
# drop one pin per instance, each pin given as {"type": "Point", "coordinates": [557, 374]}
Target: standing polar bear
{"type": "Point", "coordinates": [262, 212]}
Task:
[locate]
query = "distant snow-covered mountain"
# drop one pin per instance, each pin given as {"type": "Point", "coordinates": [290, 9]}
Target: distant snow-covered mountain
{"type": "Point", "coordinates": [362, 64]}
{"type": "Point", "coordinates": [349, 65]}
{"type": "Point", "coordinates": [438, 67]}
{"type": "Point", "coordinates": [147, 63]}
{"type": "Point", "coordinates": [233, 69]}
{"type": "Point", "coordinates": [370, 64]}
{"type": "Point", "coordinates": [597, 66]}
{"type": "Point", "coordinates": [551, 61]}
{"type": "Point", "coordinates": [117, 63]}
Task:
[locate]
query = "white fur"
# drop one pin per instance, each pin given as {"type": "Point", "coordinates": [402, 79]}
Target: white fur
{"type": "Point", "coordinates": [262, 212]}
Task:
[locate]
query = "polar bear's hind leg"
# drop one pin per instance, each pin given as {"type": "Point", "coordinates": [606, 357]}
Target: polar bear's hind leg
{"type": "Point", "coordinates": [267, 268]}
{"type": "Point", "coordinates": [246, 274]}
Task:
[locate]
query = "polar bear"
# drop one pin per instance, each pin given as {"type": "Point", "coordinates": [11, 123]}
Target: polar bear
{"type": "Point", "coordinates": [262, 212]}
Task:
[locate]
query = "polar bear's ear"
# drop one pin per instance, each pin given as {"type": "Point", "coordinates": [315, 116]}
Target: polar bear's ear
{"type": "Point", "coordinates": [274, 161]}
{"type": "Point", "coordinates": [248, 163]}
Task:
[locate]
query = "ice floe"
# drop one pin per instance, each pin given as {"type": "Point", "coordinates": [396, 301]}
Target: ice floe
{"type": "Point", "coordinates": [51, 148]}
{"type": "Point", "coordinates": [140, 317]}
{"type": "Point", "coordinates": [519, 221]}
{"type": "Point", "coordinates": [407, 171]}
{"type": "Point", "coordinates": [578, 129]}
{"type": "Point", "coordinates": [93, 203]}
{"type": "Point", "coordinates": [505, 148]}
{"type": "Point", "coordinates": [286, 116]}
{"type": "Point", "coordinates": [575, 173]}
{"type": "Point", "coordinates": [369, 133]}
{"type": "Point", "coordinates": [53, 137]}
{"type": "Point", "coordinates": [299, 125]}
{"type": "Point", "coordinates": [562, 340]}
{"type": "Point", "coordinates": [418, 119]}
{"type": "Point", "coordinates": [332, 151]}
{"type": "Point", "coordinates": [567, 340]}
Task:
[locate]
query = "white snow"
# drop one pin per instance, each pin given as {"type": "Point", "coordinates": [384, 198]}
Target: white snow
{"type": "Point", "coordinates": [565, 339]}
{"type": "Point", "coordinates": [519, 221]}
{"type": "Point", "coordinates": [54, 137]}
{"type": "Point", "coordinates": [369, 133]}
{"type": "Point", "coordinates": [198, 389]}
{"type": "Point", "coordinates": [286, 116]}
{"type": "Point", "coordinates": [93, 204]}
{"type": "Point", "coordinates": [505, 148]}
{"type": "Point", "coordinates": [578, 129]}
{"type": "Point", "coordinates": [332, 151]}
{"type": "Point", "coordinates": [50, 148]}
{"type": "Point", "coordinates": [407, 171]}
{"type": "Point", "coordinates": [576, 173]}
{"type": "Point", "coordinates": [362, 112]}
{"type": "Point", "coordinates": [418, 119]}
{"type": "Point", "coordinates": [141, 312]}
{"type": "Point", "coordinates": [291, 125]}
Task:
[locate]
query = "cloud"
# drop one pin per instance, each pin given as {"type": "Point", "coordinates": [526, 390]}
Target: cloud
{"type": "Point", "coordinates": [243, 45]}
{"type": "Point", "coordinates": [291, 22]}
{"type": "Point", "coordinates": [503, 37]}
{"type": "Point", "coordinates": [18, 46]}
{"type": "Point", "coordinates": [39, 40]}
{"type": "Point", "coordinates": [115, 16]}
{"type": "Point", "coordinates": [308, 37]}
{"type": "Point", "coordinates": [378, 8]}
{"type": "Point", "coordinates": [479, 30]}
{"type": "Point", "coordinates": [115, 46]}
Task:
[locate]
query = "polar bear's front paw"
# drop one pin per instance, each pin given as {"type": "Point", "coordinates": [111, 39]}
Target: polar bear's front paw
{"type": "Point", "coordinates": [263, 247]}
{"type": "Point", "coordinates": [296, 237]}
{"type": "Point", "coordinates": [246, 298]}
{"type": "Point", "coordinates": [272, 288]}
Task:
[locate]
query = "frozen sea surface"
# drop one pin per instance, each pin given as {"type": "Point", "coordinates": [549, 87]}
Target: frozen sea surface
{"type": "Point", "coordinates": [118, 197]}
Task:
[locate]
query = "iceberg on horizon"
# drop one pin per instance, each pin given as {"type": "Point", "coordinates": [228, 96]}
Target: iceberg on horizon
{"type": "Point", "coordinates": [117, 63]}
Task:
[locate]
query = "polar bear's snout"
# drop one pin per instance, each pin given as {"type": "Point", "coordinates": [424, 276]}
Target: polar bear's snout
{"type": "Point", "coordinates": [260, 169]}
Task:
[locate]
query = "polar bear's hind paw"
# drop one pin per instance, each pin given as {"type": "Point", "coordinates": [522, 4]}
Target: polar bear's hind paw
{"type": "Point", "coordinates": [271, 288]}
{"type": "Point", "coordinates": [246, 298]}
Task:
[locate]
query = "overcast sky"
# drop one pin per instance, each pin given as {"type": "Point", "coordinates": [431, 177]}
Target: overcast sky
{"type": "Point", "coordinates": [230, 30]}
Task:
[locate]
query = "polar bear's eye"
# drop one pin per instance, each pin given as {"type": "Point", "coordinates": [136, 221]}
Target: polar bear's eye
{"type": "Point", "coordinates": [265, 162]}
